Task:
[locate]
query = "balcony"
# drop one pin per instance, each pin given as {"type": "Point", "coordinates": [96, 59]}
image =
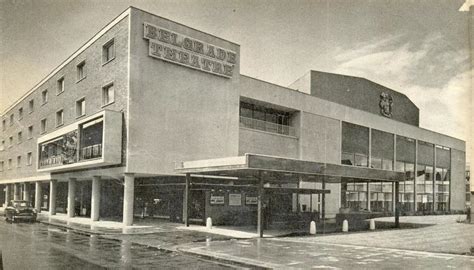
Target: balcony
{"type": "Point", "coordinates": [91, 152]}
{"type": "Point", "coordinates": [91, 142]}
{"type": "Point", "coordinates": [256, 124]}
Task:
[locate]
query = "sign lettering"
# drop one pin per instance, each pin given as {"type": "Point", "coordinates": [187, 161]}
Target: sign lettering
{"type": "Point", "coordinates": [182, 50]}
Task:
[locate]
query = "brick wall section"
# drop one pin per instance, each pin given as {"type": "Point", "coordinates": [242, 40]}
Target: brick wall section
{"type": "Point", "coordinates": [90, 88]}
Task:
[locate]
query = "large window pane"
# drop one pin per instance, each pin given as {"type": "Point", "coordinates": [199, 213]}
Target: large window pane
{"type": "Point", "coordinates": [355, 140]}
{"type": "Point", "coordinates": [382, 144]}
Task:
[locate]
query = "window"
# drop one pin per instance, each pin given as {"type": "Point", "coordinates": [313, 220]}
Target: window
{"type": "Point", "coordinates": [108, 51]}
{"type": "Point", "coordinates": [20, 137]}
{"type": "Point", "coordinates": [30, 132]}
{"type": "Point", "coordinates": [43, 125]}
{"type": "Point", "coordinates": [108, 95]}
{"type": "Point", "coordinates": [265, 119]}
{"type": "Point", "coordinates": [29, 158]}
{"type": "Point", "coordinates": [2, 146]}
{"type": "Point", "coordinates": [20, 113]}
{"type": "Point", "coordinates": [31, 106]}
{"type": "Point", "coordinates": [18, 161]}
{"type": "Point", "coordinates": [10, 141]}
{"type": "Point", "coordinates": [44, 96]}
{"type": "Point", "coordinates": [81, 71]}
{"type": "Point", "coordinates": [1, 166]}
{"type": "Point", "coordinates": [11, 119]}
{"type": "Point", "coordinates": [355, 143]}
{"type": "Point", "coordinates": [59, 118]}
{"type": "Point", "coordinates": [10, 163]}
{"type": "Point", "coordinates": [4, 124]}
{"type": "Point", "coordinates": [81, 107]}
{"type": "Point", "coordinates": [60, 86]}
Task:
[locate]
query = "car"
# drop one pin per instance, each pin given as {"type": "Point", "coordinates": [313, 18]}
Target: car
{"type": "Point", "coordinates": [20, 210]}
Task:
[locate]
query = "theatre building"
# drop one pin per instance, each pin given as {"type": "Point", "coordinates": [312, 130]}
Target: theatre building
{"type": "Point", "coordinates": [151, 118]}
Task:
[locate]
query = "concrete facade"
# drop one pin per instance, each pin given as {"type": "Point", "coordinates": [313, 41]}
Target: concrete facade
{"type": "Point", "coordinates": [167, 111]}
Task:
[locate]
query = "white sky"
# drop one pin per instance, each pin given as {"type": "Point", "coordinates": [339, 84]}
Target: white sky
{"type": "Point", "coordinates": [419, 48]}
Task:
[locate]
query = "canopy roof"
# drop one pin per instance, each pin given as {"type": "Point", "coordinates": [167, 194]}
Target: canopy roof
{"type": "Point", "coordinates": [253, 166]}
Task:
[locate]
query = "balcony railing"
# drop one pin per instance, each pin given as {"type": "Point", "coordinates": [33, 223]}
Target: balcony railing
{"type": "Point", "coordinates": [266, 126]}
{"type": "Point", "coordinates": [51, 161]}
{"type": "Point", "coordinates": [92, 151]}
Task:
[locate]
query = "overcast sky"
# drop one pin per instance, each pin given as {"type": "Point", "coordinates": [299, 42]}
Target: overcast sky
{"type": "Point", "coordinates": [419, 48]}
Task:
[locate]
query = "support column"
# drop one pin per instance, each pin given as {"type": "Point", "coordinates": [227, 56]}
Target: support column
{"type": "Point", "coordinates": [8, 191]}
{"type": "Point", "coordinates": [95, 198]}
{"type": "Point", "coordinates": [128, 197]}
{"type": "Point", "coordinates": [368, 196]}
{"type": "Point", "coordinates": [26, 191]}
{"type": "Point", "coordinates": [16, 191]}
{"type": "Point", "coordinates": [323, 204]}
{"type": "Point", "coordinates": [397, 207]}
{"type": "Point", "coordinates": [71, 197]}
{"type": "Point", "coordinates": [186, 200]}
{"type": "Point", "coordinates": [393, 198]}
{"type": "Point", "coordinates": [433, 177]}
{"type": "Point", "coordinates": [53, 184]}
{"type": "Point", "coordinates": [393, 166]}
{"type": "Point", "coordinates": [38, 196]}
{"type": "Point", "coordinates": [415, 173]}
{"type": "Point", "coordinates": [259, 206]}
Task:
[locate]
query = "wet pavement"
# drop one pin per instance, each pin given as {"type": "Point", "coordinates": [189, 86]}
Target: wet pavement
{"type": "Point", "coordinates": [278, 253]}
{"type": "Point", "coordinates": [40, 246]}
{"type": "Point", "coordinates": [443, 243]}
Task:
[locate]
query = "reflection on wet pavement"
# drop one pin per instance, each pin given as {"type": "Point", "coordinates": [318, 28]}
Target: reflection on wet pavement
{"type": "Point", "coordinates": [38, 246]}
{"type": "Point", "coordinates": [303, 254]}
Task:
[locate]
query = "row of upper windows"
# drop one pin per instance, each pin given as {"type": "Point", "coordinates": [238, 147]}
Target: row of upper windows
{"type": "Point", "coordinates": [29, 162]}
{"type": "Point", "coordinates": [108, 97]}
{"type": "Point", "coordinates": [108, 54]}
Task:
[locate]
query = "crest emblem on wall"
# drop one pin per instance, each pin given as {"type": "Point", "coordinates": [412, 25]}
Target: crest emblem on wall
{"type": "Point", "coordinates": [385, 104]}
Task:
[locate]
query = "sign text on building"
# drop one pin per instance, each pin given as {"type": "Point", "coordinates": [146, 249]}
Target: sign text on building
{"type": "Point", "coordinates": [180, 49]}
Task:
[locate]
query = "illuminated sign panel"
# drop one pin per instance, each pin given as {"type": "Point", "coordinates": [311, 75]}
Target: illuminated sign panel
{"type": "Point", "coordinates": [182, 50]}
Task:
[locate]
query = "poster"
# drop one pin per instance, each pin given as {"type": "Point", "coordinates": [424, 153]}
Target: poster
{"type": "Point", "coordinates": [217, 199]}
{"type": "Point", "coordinates": [235, 199]}
{"type": "Point", "coordinates": [251, 200]}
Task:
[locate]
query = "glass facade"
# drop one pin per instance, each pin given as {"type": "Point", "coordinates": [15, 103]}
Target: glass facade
{"type": "Point", "coordinates": [442, 178]}
{"type": "Point", "coordinates": [424, 177]}
{"type": "Point", "coordinates": [406, 163]}
{"type": "Point", "coordinates": [354, 195]}
{"type": "Point", "coordinates": [59, 151]}
{"type": "Point", "coordinates": [355, 145]}
{"type": "Point", "coordinates": [427, 168]}
{"type": "Point", "coordinates": [265, 119]}
{"type": "Point", "coordinates": [382, 150]}
{"type": "Point", "coordinates": [74, 146]}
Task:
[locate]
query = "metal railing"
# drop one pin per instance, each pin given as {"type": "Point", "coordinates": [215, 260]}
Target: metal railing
{"type": "Point", "coordinates": [51, 161]}
{"type": "Point", "coordinates": [266, 126]}
{"type": "Point", "coordinates": [92, 151]}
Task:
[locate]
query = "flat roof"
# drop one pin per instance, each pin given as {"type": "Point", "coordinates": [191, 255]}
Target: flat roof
{"type": "Point", "coordinates": [254, 166]}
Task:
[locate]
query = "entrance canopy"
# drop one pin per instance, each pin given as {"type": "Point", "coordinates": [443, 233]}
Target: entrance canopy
{"type": "Point", "coordinates": [276, 169]}
{"type": "Point", "coordinates": [253, 166]}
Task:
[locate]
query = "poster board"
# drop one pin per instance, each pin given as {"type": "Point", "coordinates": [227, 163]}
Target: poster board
{"type": "Point", "coordinates": [217, 200]}
{"type": "Point", "coordinates": [235, 199]}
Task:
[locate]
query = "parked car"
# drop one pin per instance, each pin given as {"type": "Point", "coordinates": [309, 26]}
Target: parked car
{"type": "Point", "coordinates": [20, 210]}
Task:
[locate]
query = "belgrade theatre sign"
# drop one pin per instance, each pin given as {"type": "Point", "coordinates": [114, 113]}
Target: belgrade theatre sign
{"type": "Point", "coordinates": [182, 50]}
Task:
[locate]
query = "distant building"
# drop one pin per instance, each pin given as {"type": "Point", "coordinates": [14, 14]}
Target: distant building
{"type": "Point", "coordinates": [146, 100]}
